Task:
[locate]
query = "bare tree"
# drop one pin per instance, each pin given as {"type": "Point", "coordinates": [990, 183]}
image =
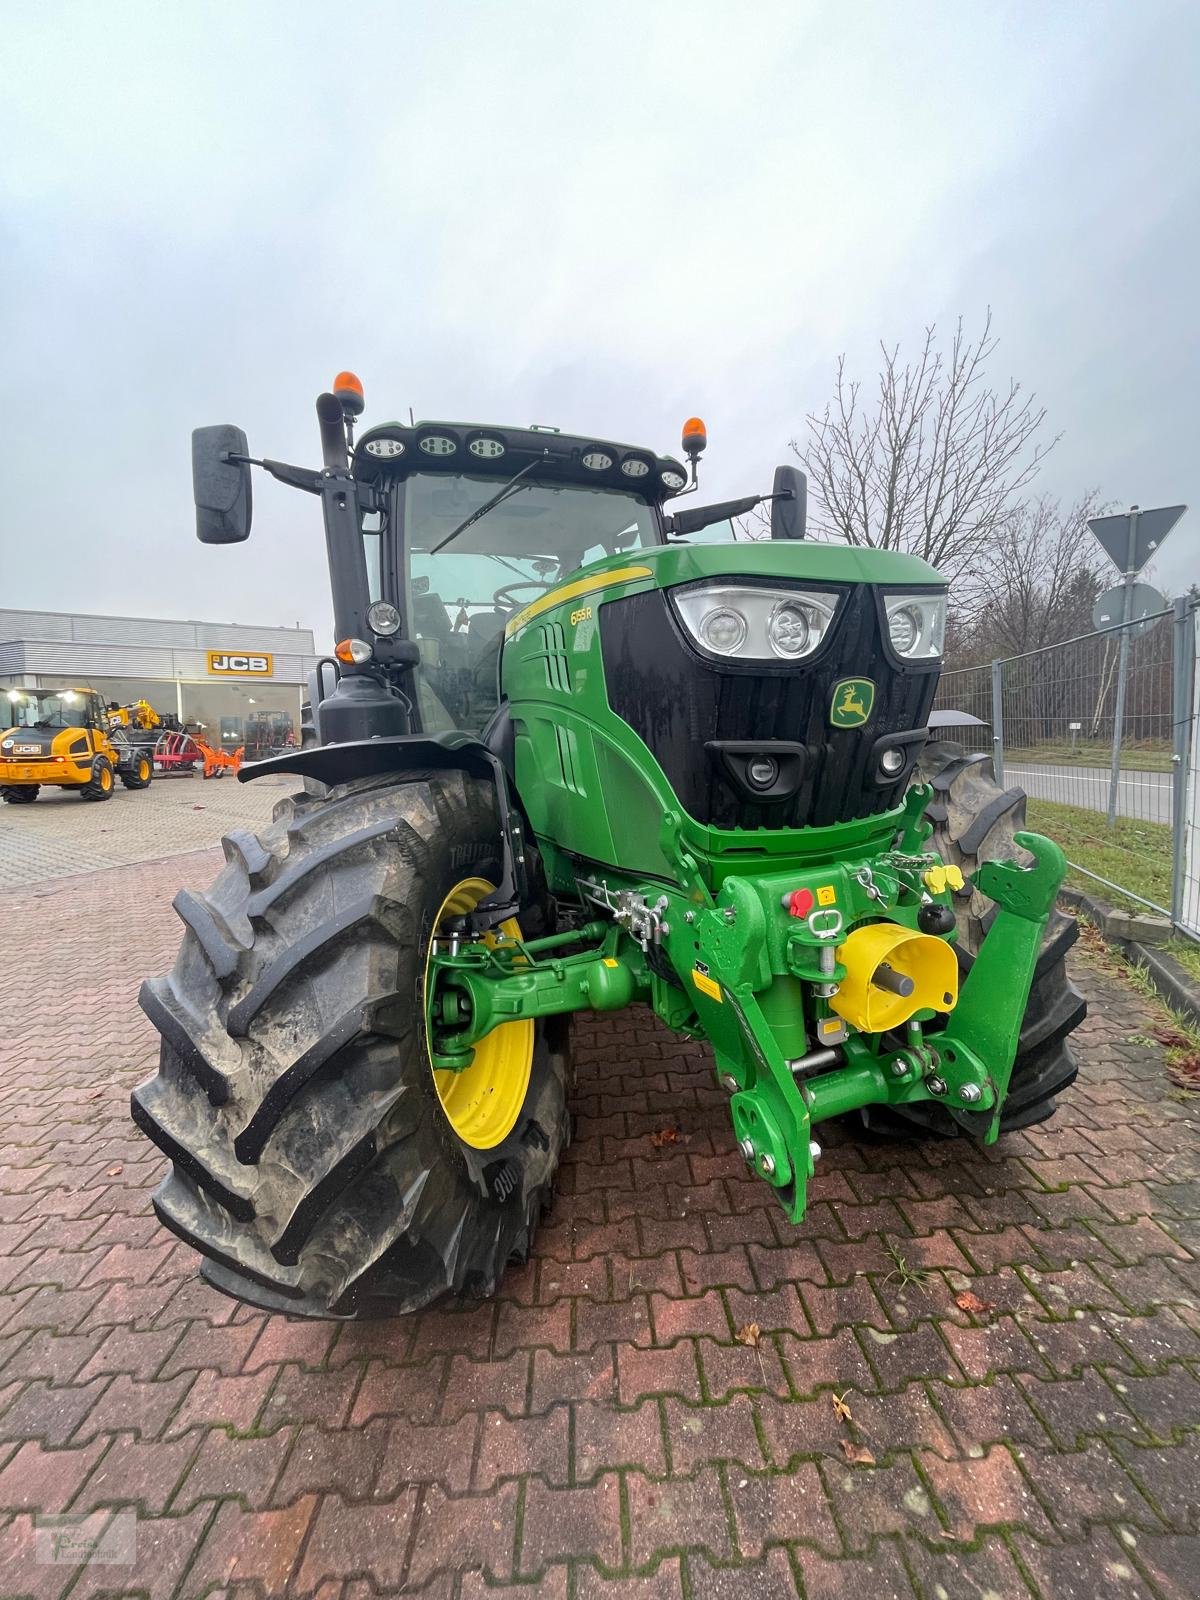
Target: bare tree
{"type": "Point", "coordinates": [932, 463]}
{"type": "Point", "coordinates": [1034, 585]}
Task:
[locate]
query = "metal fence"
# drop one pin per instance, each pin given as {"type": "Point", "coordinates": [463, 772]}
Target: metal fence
{"type": "Point", "coordinates": [1065, 724]}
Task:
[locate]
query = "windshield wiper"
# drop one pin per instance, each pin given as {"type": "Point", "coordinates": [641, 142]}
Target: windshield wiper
{"type": "Point", "coordinates": [513, 486]}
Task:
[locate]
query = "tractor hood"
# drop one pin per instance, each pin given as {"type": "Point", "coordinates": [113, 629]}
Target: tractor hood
{"type": "Point", "coordinates": [749, 736]}
{"type": "Point", "coordinates": [794, 561]}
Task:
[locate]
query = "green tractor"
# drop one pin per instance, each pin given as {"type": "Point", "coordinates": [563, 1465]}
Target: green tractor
{"type": "Point", "coordinates": [573, 752]}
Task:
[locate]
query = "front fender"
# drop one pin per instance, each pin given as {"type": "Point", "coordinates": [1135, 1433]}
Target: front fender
{"type": "Point", "coordinates": [374, 758]}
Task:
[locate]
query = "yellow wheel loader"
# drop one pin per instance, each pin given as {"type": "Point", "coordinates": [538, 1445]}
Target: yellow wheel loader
{"type": "Point", "coordinates": [64, 738]}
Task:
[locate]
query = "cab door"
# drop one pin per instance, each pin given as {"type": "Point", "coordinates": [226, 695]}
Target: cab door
{"type": "Point", "coordinates": [95, 725]}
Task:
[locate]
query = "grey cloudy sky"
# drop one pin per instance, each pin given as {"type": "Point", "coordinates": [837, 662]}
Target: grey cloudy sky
{"type": "Point", "coordinates": [601, 216]}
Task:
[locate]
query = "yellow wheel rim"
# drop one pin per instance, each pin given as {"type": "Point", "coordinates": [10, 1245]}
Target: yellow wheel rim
{"type": "Point", "coordinates": [484, 1100]}
{"type": "Point", "coordinates": [105, 778]}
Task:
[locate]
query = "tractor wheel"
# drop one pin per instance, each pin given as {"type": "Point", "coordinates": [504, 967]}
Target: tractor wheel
{"type": "Point", "coordinates": [100, 785]}
{"type": "Point", "coordinates": [308, 739]}
{"type": "Point", "coordinates": [319, 1163]}
{"type": "Point", "coordinates": [20, 794]}
{"type": "Point", "coordinates": [140, 772]}
{"type": "Point", "coordinates": [974, 821]}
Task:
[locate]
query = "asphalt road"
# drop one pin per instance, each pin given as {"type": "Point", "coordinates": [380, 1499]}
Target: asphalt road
{"type": "Point", "coordinates": [1145, 796]}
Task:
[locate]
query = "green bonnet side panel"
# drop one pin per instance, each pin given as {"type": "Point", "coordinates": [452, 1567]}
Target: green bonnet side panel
{"type": "Point", "coordinates": [586, 780]}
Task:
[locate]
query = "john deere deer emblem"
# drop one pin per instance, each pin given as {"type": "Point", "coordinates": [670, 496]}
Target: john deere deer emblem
{"type": "Point", "coordinates": [851, 703]}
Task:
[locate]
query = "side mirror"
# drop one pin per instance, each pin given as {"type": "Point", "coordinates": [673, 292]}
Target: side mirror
{"type": "Point", "coordinates": [789, 508]}
{"type": "Point", "coordinates": [221, 486]}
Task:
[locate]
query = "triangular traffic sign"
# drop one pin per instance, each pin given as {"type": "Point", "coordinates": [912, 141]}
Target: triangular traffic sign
{"type": "Point", "coordinates": [1153, 526]}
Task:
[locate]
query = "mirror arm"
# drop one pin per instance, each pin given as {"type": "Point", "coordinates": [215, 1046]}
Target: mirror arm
{"type": "Point", "coordinates": [704, 516]}
{"type": "Point", "coordinates": [297, 477]}
{"type": "Point", "coordinates": [725, 510]}
{"type": "Point", "coordinates": [304, 478]}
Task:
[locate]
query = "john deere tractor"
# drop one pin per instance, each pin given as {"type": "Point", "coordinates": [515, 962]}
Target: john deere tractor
{"type": "Point", "coordinates": [572, 753]}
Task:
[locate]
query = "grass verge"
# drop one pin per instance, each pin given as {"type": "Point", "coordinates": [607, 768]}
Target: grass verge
{"type": "Point", "coordinates": [1136, 854]}
{"type": "Point", "coordinates": [1153, 756]}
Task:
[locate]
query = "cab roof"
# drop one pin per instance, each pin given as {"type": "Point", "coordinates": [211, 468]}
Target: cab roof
{"type": "Point", "coordinates": [395, 449]}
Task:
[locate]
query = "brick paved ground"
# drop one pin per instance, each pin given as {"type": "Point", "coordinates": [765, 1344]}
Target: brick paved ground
{"type": "Point", "coordinates": [60, 833]}
{"type": "Point", "coordinates": [597, 1431]}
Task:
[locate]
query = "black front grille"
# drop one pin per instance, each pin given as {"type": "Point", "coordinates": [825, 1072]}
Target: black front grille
{"type": "Point", "coordinates": [680, 703]}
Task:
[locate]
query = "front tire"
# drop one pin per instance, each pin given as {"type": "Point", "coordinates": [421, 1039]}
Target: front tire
{"type": "Point", "coordinates": [314, 1165]}
{"type": "Point", "coordinates": [974, 821]}
{"type": "Point", "coordinates": [141, 770]}
{"type": "Point", "coordinates": [100, 785]}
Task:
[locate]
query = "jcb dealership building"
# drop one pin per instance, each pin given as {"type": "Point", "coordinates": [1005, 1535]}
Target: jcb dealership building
{"type": "Point", "coordinates": [212, 676]}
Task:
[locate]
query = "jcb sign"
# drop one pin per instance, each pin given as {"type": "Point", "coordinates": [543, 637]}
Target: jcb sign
{"type": "Point", "coordinates": [224, 664]}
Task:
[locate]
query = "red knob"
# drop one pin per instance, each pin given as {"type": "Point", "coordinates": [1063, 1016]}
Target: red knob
{"type": "Point", "coordinates": [800, 902]}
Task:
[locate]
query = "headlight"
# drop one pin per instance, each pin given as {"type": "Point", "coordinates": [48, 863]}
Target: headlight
{"type": "Point", "coordinates": [916, 624]}
{"type": "Point", "coordinates": [437, 444]}
{"type": "Point", "coordinates": [383, 618]}
{"type": "Point", "coordinates": [723, 630]}
{"type": "Point", "coordinates": [892, 761]}
{"type": "Point", "coordinates": [790, 629]}
{"type": "Point", "coordinates": [755, 624]}
{"type": "Point", "coordinates": [487, 449]}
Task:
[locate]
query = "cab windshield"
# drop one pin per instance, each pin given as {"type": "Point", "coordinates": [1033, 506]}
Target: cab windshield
{"type": "Point", "coordinates": [45, 708]}
{"type": "Point", "coordinates": [460, 598]}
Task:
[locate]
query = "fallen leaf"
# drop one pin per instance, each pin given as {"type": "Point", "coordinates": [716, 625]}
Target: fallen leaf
{"type": "Point", "coordinates": [966, 1301]}
{"type": "Point", "coordinates": [857, 1452]}
{"type": "Point", "coordinates": [1171, 1037]}
{"type": "Point", "coordinates": [841, 1409]}
{"type": "Point", "coordinates": [114, 1172]}
{"type": "Point", "coordinates": [750, 1335]}
{"type": "Point", "coordinates": [664, 1136]}
{"type": "Point", "coordinates": [1183, 1069]}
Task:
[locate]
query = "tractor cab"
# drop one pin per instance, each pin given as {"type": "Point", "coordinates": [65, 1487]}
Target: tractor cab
{"type": "Point", "coordinates": [477, 524]}
{"type": "Point", "coordinates": [52, 711]}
